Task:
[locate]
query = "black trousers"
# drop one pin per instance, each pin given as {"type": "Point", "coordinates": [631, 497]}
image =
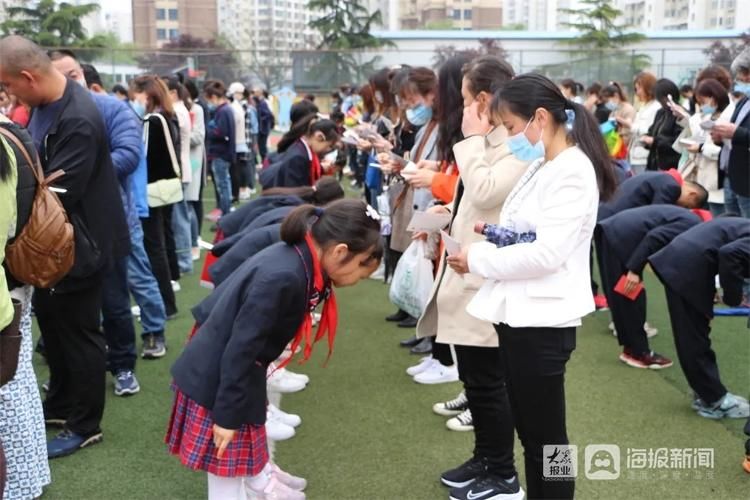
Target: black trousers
{"type": "Point", "coordinates": [441, 352]}
{"type": "Point", "coordinates": [263, 145]}
{"type": "Point", "coordinates": [627, 315]}
{"type": "Point", "coordinates": [533, 360]}
{"type": "Point", "coordinates": [691, 331]}
{"type": "Point", "coordinates": [482, 372]}
{"type": "Point", "coordinates": [76, 354]}
{"type": "Point", "coordinates": [157, 242]}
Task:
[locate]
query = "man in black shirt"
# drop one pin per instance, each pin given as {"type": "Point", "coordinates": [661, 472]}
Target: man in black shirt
{"type": "Point", "coordinates": [69, 134]}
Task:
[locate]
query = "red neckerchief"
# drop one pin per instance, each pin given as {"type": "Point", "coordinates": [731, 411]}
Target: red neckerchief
{"type": "Point", "coordinates": [329, 316]}
{"type": "Point", "coordinates": [705, 215]}
{"type": "Point", "coordinates": [675, 175]}
{"type": "Point", "coordinates": [316, 171]}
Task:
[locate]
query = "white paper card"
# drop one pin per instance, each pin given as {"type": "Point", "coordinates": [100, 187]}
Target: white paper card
{"type": "Point", "coordinates": [452, 246]}
{"type": "Point", "coordinates": [427, 222]}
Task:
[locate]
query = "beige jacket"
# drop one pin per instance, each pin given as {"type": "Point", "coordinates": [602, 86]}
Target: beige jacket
{"type": "Point", "coordinates": [488, 172]}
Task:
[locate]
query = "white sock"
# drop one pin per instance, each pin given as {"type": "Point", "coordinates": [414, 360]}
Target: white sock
{"type": "Point", "coordinates": [260, 481]}
{"type": "Point", "coordinates": [224, 488]}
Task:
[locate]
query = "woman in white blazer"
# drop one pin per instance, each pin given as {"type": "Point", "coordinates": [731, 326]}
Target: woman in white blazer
{"type": "Point", "coordinates": [536, 292]}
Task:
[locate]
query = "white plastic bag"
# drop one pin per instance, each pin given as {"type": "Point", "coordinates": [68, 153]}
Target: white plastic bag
{"type": "Point", "coordinates": [412, 280]}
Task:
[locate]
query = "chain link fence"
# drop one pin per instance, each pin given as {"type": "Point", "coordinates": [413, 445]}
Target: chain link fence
{"type": "Point", "coordinates": [319, 72]}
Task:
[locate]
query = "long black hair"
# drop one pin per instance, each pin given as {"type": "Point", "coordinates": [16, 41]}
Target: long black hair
{"type": "Point", "coordinates": [306, 126]}
{"type": "Point", "coordinates": [347, 221]}
{"type": "Point", "coordinates": [525, 94]}
{"type": "Point", "coordinates": [487, 74]}
{"type": "Point", "coordinates": [665, 87]}
{"type": "Point", "coordinates": [326, 190]}
{"type": "Point", "coordinates": [449, 102]}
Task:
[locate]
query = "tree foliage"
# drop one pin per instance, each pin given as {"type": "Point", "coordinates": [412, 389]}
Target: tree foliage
{"type": "Point", "coordinates": [50, 24]}
{"type": "Point", "coordinates": [596, 23]}
{"type": "Point", "coordinates": [487, 46]}
{"type": "Point", "coordinates": [723, 54]}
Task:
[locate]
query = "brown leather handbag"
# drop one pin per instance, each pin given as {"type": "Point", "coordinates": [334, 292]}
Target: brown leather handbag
{"type": "Point", "coordinates": [44, 251]}
{"type": "Point", "coordinates": [10, 346]}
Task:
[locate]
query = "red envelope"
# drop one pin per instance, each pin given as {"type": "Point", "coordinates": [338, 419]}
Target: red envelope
{"type": "Point", "coordinates": [620, 288]}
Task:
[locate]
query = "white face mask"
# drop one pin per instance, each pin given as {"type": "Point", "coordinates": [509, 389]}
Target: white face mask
{"type": "Point", "coordinates": [379, 97]}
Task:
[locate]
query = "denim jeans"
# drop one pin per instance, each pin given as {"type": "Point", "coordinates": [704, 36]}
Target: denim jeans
{"type": "Point", "coordinates": [181, 230]}
{"type": "Point", "coordinates": [193, 218]}
{"type": "Point", "coordinates": [223, 181]}
{"type": "Point", "coordinates": [117, 320]}
{"type": "Point", "coordinates": [144, 287]}
{"type": "Point", "coordinates": [735, 203]}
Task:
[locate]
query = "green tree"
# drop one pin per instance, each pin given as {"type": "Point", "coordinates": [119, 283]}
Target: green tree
{"type": "Point", "coordinates": [344, 27]}
{"type": "Point", "coordinates": [52, 25]}
{"type": "Point", "coordinates": [723, 54]}
{"type": "Point", "coordinates": [487, 46]}
{"type": "Point", "coordinates": [599, 50]}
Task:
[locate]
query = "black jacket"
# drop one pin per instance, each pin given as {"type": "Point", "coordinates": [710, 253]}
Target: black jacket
{"type": "Point", "coordinates": [244, 325]}
{"type": "Point", "coordinates": [249, 245]}
{"type": "Point", "coordinates": [292, 169]}
{"type": "Point", "coordinates": [76, 143]}
{"type": "Point", "coordinates": [644, 189]}
{"type": "Point", "coordinates": [233, 222]}
{"type": "Point", "coordinates": [275, 216]}
{"type": "Point", "coordinates": [734, 269]}
{"type": "Point", "coordinates": [689, 264]}
{"type": "Point", "coordinates": [739, 158]}
{"type": "Point", "coordinates": [637, 233]}
{"type": "Point", "coordinates": [665, 130]}
{"type": "Point", "coordinates": [158, 159]}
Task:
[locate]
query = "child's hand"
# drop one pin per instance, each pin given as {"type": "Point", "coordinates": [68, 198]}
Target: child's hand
{"type": "Point", "coordinates": [222, 438]}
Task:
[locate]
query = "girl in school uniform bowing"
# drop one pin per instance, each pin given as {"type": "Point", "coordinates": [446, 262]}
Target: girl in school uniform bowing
{"type": "Point", "coordinates": [303, 146]}
{"type": "Point", "coordinates": [219, 411]}
{"type": "Point", "coordinates": [537, 292]}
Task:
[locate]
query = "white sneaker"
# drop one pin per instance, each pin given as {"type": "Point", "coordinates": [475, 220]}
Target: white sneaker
{"type": "Point", "coordinates": [379, 273]}
{"type": "Point", "coordinates": [279, 381]}
{"type": "Point", "coordinates": [277, 414]}
{"type": "Point", "coordinates": [298, 376]}
{"type": "Point", "coordinates": [462, 422]}
{"type": "Point", "coordinates": [195, 253]}
{"type": "Point", "coordinates": [452, 407]}
{"type": "Point", "coordinates": [135, 311]}
{"type": "Point", "coordinates": [244, 194]}
{"type": "Point", "coordinates": [294, 482]}
{"type": "Point", "coordinates": [277, 431]}
{"type": "Point", "coordinates": [423, 365]}
{"type": "Point", "coordinates": [176, 286]}
{"type": "Point", "coordinates": [275, 490]}
{"type": "Point", "coordinates": [437, 374]}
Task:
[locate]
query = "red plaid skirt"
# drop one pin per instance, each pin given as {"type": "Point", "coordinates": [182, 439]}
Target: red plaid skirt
{"type": "Point", "coordinates": [190, 437]}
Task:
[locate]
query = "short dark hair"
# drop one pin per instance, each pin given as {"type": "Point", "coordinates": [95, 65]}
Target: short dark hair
{"type": "Point", "coordinates": [215, 88]}
{"type": "Point", "coordinates": [57, 54]}
{"type": "Point", "coordinates": [714, 89]}
{"type": "Point", "coordinates": [665, 87]}
{"type": "Point", "coordinates": [119, 89]}
{"type": "Point", "coordinates": [91, 75]}
{"type": "Point", "coordinates": [192, 89]}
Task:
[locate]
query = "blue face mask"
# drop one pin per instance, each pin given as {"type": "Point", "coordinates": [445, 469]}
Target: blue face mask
{"type": "Point", "coordinates": [522, 148]}
{"type": "Point", "coordinates": [742, 87]}
{"type": "Point", "coordinates": [419, 115]}
{"type": "Point", "coordinates": [139, 109]}
{"type": "Point", "coordinates": [212, 107]}
{"type": "Point", "coordinates": [610, 105]}
{"type": "Point", "coordinates": [708, 109]}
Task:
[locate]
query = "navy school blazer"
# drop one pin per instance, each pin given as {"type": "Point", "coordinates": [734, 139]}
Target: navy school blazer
{"type": "Point", "coordinates": [292, 169]}
{"type": "Point", "coordinates": [244, 325]}
{"type": "Point", "coordinates": [688, 265]}
{"type": "Point", "coordinates": [734, 269]}
{"type": "Point", "coordinates": [647, 188]}
{"type": "Point", "coordinates": [275, 216]}
{"type": "Point", "coordinates": [233, 222]}
{"type": "Point", "coordinates": [250, 244]}
{"type": "Point", "coordinates": [637, 233]}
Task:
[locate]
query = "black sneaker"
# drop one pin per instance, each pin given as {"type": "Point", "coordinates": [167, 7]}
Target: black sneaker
{"type": "Point", "coordinates": [153, 347]}
{"type": "Point", "coordinates": [489, 487]}
{"type": "Point", "coordinates": [397, 316]}
{"type": "Point", "coordinates": [464, 474]}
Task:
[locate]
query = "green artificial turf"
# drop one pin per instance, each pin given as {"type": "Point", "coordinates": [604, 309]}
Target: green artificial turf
{"type": "Point", "coordinates": [368, 431]}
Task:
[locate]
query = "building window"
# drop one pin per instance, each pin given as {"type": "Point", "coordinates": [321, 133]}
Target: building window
{"type": "Point", "coordinates": [161, 14]}
{"type": "Point", "coordinates": [174, 34]}
{"type": "Point", "coordinates": [173, 14]}
{"type": "Point", "coordinates": [161, 34]}
{"type": "Point", "coordinates": [467, 14]}
{"type": "Point", "coordinates": [457, 14]}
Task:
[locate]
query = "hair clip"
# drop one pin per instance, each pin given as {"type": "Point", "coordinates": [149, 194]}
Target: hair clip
{"type": "Point", "coordinates": [372, 213]}
{"type": "Point", "coordinates": [571, 118]}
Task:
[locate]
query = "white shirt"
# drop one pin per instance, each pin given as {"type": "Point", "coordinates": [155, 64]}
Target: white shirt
{"type": "Point", "coordinates": [239, 127]}
{"type": "Point", "coordinates": [186, 128]}
{"type": "Point", "coordinates": [643, 120]}
{"type": "Point", "coordinates": [545, 283]}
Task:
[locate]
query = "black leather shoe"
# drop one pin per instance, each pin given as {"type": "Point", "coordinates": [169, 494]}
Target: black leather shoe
{"type": "Point", "coordinates": [424, 347]}
{"type": "Point", "coordinates": [397, 316]}
{"type": "Point", "coordinates": [409, 322]}
{"type": "Point", "coordinates": [410, 342]}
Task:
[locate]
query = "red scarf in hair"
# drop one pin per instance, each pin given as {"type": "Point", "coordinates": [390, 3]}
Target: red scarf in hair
{"type": "Point", "coordinates": [329, 316]}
